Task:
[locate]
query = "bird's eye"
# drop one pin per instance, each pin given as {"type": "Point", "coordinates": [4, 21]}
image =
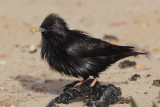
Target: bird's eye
{"type": "Point", "coordinates": [49, 27]}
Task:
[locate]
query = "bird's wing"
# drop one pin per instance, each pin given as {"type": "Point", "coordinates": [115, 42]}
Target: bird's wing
{"type": "Point", "coordinates": [84, 46]}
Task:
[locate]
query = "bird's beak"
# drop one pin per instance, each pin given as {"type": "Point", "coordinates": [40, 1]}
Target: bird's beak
{"type": "Point", "coordinates": [38, 29]}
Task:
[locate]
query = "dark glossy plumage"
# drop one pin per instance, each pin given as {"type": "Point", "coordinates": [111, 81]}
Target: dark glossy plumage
{"type": "Point", "coordinates": [74, 53]}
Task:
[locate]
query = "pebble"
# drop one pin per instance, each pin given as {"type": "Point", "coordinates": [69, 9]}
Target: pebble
{"type": "Point", "coordinates": [127, 64]}
{"type": "Point", "coordinates": [1, 88]}
{"type": "Point", "coordinates": [148, 75]}
{"type": "Point", "coordinates": [31, 74]}
{"type": "Point", "coordinates": [145, 93]}
{"type": "Point", "coordinates": [110, 37]}
{"type": "Point", "coordinates": [36, 100]}
{"type": "Point", "coordinates": [140, 66]}
{"type": "Point", "coordinates": [2, 62]}
{"type": "Point", "coordinates": [32, 49]}
{"type": "Point", "coordinates": [134, 77]}
{"type": "Point", "coordinates": [4, 56]}
{"type": "Point", "coordinates": [156, 50]}
{"type": "Point", "coordinates": [156, 83]}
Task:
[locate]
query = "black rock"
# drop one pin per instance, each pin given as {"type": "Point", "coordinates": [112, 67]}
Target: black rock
{"type": "Point", "coordinates": [98, 95]}
{"type": "Point", "coordinates": [127, 64]}
{"type": "Point", "coordinates": [134, 77]}
{"type": "Point", "coordinates": [156, 83]}
{"type": "Point", "coordinates": [110, 37]}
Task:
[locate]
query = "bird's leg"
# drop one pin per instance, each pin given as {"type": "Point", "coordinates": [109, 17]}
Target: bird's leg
{"type": "Point", "coordinates": [80, 82]}
{"type": "Point", "coordinates": [94, 81]}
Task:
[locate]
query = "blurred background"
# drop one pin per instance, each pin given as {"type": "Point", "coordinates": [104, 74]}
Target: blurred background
{"type": "Point", "coordinates": [27, 81]}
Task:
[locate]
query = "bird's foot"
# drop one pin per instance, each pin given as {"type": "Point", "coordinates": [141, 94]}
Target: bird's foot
{"type": "Point", "coordinates": [94, 82]}
{"type": "Point", "coordinates": [79, 83]}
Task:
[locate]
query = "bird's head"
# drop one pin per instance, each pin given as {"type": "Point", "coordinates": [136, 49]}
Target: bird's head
{"type": "Point", "coordinates": [51, 26]}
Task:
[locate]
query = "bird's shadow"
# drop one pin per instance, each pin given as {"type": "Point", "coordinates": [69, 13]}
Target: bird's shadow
{"type": "Point", "coordinates": [52, 86]}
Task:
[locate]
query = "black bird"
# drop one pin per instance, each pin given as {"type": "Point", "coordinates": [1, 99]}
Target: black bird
{"type": "Point", "coordinates": [75, 53]}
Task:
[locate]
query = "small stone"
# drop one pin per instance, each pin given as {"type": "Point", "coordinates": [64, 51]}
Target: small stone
{"type": "Point", "coordinates": [126, 82]}
{"type": "Point", "coordinates": [145, 93]}
{"type": "Point", "coordinates": [23, 84]}
{"type": "Point", "coordinates": [4, 56]}
{"type": "Point", "coordinates": [110, 37]}
{"type": "Point", "coordinates": [31, 74]}
{"type": "Point", "coordinates": [1, 88]}
{"type": "Point", "coordinates": [5, 89]}
{"type": "Point", "coordinates": [148, 75]}
{"type": "Point", "coordinates": [23, 80]}
{"type": "Point", "coordinates": [29, 94]}
{"type": "Point", "coordinates": [114, 42]}
{"type": "Point", "coordinates": [134, 77]}
{"type": "Point", "coordinates": [36, 100]}
{"type": "Point", "coordinates": [32, 49]}
{"type": "Point", "coordinates": [127, 64]}
{"type": "Point", "coordinates": [16, 45]}
{"type": "Point", "coordinates": [156, 50]}
{"type": "Point", "coordinates": [156, 83]}
{"type": "Point", "coordinates": [140, 66]}
{"type": "Point", "coordinates": [2, 62]}
{"type": "Point", "coordinates": [126, 100]}
{"type": "Point", "coordinates": [49, 81]}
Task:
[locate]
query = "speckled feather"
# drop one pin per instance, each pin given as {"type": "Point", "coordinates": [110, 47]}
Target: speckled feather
{"type": "Point", "coordinates": [75, 53]}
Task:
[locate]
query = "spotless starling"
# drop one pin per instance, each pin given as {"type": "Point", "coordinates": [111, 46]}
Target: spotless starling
{"type": "Point", "coordinates": [75, 53]}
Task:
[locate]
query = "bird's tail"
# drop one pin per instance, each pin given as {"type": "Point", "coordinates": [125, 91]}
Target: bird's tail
{"type": "Point", "coordinates": [125, 51]}
{"type": "Point", "coordinates": [125, 48]}
{"type": "Point", "coordinates": [130, 53]}
{"type": "Point", "coordinates": [126, 54]}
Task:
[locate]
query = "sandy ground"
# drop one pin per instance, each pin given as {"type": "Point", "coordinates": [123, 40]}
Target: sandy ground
{"type": "Point", "coordinates": [27, 81]}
